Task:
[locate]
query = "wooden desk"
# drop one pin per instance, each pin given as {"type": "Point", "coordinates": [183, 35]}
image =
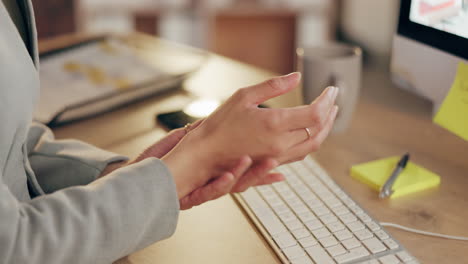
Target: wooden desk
{"type": "Point", "coordinates": [388, 121]}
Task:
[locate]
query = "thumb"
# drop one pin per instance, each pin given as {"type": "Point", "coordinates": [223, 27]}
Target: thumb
{"type": "Point", "coordinates": [273, 87]}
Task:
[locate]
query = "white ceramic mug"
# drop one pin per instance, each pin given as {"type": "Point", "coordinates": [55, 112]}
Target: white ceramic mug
{"type": "Point", "coordinates": [333, 64]}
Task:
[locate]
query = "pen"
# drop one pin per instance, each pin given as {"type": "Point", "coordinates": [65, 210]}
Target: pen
{"type": "Point", "coordinates": [387, 190]}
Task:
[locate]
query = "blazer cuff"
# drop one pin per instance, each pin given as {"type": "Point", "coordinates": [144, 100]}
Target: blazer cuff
{"type": "Point", "coordinates": [57, 164]}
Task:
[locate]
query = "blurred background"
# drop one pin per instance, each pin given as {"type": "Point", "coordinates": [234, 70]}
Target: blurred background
{"type": "Point", "coordinates": [263, 33]}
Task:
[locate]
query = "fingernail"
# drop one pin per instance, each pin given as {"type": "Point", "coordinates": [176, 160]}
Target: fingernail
{"type": "Point", "coordinates": [331, 92]}
{"type": "Point", "coordinates": [337, 91]}
{"type": "Point", "coordinates": [294, 76]}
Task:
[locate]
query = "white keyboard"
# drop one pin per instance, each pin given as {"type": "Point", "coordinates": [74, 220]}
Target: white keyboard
{"type": "Point", "coordinates": [310, 219]}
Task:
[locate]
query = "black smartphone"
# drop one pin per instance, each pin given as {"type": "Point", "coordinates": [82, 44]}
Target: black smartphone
{"type": "Point", "coordinates": [175, 119]}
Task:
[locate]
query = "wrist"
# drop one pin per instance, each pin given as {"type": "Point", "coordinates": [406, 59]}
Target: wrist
{"type": "Point", "coordinates": [189, 164]}
{"type": "Point", "coordinates": [112, 167]}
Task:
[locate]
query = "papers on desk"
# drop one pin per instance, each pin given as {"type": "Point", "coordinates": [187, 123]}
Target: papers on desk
{"type": "Point", "coordinates": [92, 78]}
{"type": "Point", "coordinates": [453, 113]}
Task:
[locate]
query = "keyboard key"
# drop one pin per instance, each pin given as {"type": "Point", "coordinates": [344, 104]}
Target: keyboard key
{"type": "Point", "coordinates": [381, 234]}
{"type": "Point", "coordinates": [302, 260]}
{"type": "Point", "coordinates": [374, 245]}
{"type": "Point", "coordinates": [351, 243]}
{"type": "Point", "coordinates": [307, 241]}
{"type": "Point", "coordinates": [348, 218]}
{"type": "Point", "coordinates": [341, 210]}
{"type": "Point", "coordinates": [293, 225]}
{"type": "Point", "coordinates": [321, 210]}
{"type": "Point", "coordinates": [273, 201]}
{"type": "Point", "coordinates": [336, 226]}
{"type": "Point", "coordinates": [328, 218]}
{"type": "Point", "coordinates": [333, 202]}
{"type": "Point", "coordinates": [391, 243]}
{"type": "Point", "coordinates": [356, 209]}
{"type": "Point", "coordinates": [319, 255]}
{"type": "Point", "coordinates": [365, 218]}
{"type": "Point", "coordinates": [285, 240]}
{"type": "Point", "coordinates": [336, 250]}
{"type": "Point", "coordinates": [281, 186]}
{"type": "Point", "coordinates": [349, 202]}
{"type": "Point", "coordinates": [390, 259]}
{"type": "Point", "coordinates": [300, 233]}
{"type": "Point", "coordinates": [313, 203]}
{"type": "Point", "coordinates": [355, 226]}
{"type": "Point", "coordinates": [286, 217]}
{"type": "Point", "coordinates": [306, 217]}
{"type": "Point", "coordinates": [321, 233]}
{"type": "Point", "coordinates": [300, 209]}
{"type": "Point", "coordinates": [272, 225]}
{"type": "Point", "coordinates": [294, 252]}
{"type": "Point", "coordinates": [363, 234]}
{"type": "Point", "coordinates": [404, 256]}
{"type": "Point", "coordinates": [314, 225]}
{"type": "Point", "coordinates": [373, 226]}
{"type": "Point", "coordinates": [355, 253]}
{"type": "Point", "coordinates": [343, 234]}
{"type": "Point", "coordinates": [372, 261]}
{"type": "Point", "coordinates": [281, 208]}
{"type": "Point", "coordinates": [293, 202]}
{"type": "Point", "coordinates": [328, 241]}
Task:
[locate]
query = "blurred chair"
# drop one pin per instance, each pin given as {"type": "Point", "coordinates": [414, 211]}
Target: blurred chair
{"type": "Point", "coordinates": [55, 17]}
{"type": "Point", "coordinates": [262, 37]}
{"type": "Point", "coordinates": [147, 20]}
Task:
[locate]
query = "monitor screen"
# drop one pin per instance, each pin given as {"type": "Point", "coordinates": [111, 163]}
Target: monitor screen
{"type": "Point", "coordinates": [441, 24]}
{"type": "Point", "coordinates": [446, 15]}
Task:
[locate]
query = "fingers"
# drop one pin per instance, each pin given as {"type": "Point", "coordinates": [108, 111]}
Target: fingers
{"type": "Point", "coordinates": [322, 135]}
{"type": "Point", "coordinates": [217, 188]}
{"type": "Point", "coordinates": [244, 164]}
{"type": "Point", "coordinates": [313, 115]}
{"type": "Point", "coordinates": [211, 191]}
{"type": "Point", "coordinates": [196, 124]}
{"type": "Point", "coordinates": [271, 88]}
{"type": "Point", "coordinates": [302, 149]}
{"type": "Point", "coordinates": [270, 178]}
{"type": "Point", "coordinates": [254, 174]}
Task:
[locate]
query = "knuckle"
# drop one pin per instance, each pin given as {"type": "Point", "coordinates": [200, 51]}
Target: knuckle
{"type": "Point", "coordinates": [316, 119]}
{"type": "Point", "coordinates": [242, 94]}
{"type": "Point", "coordinates": [273, 123]}
{"type": "Point", "coordinates": [275, 83]}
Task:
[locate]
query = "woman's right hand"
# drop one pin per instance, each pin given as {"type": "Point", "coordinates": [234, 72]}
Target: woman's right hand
{"type": "Point", "coordinates": [239, 127]}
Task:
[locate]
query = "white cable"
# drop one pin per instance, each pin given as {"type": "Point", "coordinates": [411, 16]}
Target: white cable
{"type": "Point", "coordinates": [421, 232]}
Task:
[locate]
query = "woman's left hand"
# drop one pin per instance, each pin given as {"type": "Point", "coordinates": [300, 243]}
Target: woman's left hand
{"type": "Point", "coordinates": [242, 176]}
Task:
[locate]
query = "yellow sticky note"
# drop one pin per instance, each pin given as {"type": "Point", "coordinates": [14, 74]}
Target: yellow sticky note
{"type": "Point", "coordinates": [453, 113]}
{"type": "Point", "coordinates": [412, 179]}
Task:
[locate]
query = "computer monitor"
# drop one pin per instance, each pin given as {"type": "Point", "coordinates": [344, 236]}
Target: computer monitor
{"type": "Point", "coordinates": [431, 40]}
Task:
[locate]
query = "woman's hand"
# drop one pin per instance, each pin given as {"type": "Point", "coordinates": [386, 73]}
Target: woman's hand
{"type": "Point", "coordinates": [163, 146]}
{"type": "Point", "coordinates": [238, 179]}
{"type": "Point", "coordinates": [157, 150]}
{"type": "Point", "coordinates": [241, 177]}
{"type": "Point", "coordinates": [239, 127]}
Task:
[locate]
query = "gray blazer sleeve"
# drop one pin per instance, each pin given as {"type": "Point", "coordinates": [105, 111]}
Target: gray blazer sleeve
{"type": "Point", "coordinates": [118, 214]}
{"type": "Point", "coordinates": [58, 164]}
